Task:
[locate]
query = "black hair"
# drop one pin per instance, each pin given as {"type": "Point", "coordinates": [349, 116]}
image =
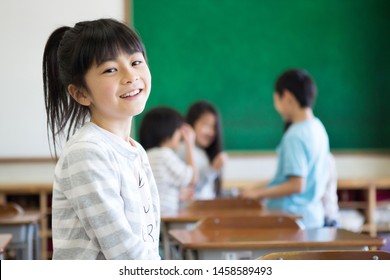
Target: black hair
{"type": "Point", "coordinates": [300, 84]}
{"type": "Point", "coordinates": [68, 55]}
{"type": "Point", "coordinates": [286, 126]}
{"type": "Point", "coordinates": [195, 111]}
{"type": "Point", "coordinates": [158, 125]}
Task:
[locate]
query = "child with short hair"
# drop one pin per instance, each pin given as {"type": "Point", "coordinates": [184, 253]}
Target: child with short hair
{"type": "Point", "coordinates": [160, 133]}
{"type": "Point", "coordinates": [303, 155]}
{"type": "Point", "coordinates": [105, 200]}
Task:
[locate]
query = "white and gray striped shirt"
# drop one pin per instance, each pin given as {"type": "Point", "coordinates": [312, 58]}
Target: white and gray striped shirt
{"type": "Point", "coordinates": [171, 174]}
{"type": "Point", "coordinates": [105, 199]}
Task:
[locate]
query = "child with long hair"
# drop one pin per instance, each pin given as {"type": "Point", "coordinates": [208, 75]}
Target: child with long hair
{"type": "Point", "coordinates": [105, 200]}
{"type": "Point", "coordinates": [208, 153]}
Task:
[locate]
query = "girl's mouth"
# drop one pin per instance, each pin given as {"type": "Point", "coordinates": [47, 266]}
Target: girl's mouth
{"type": "Point", "coordinates": [131, 93]}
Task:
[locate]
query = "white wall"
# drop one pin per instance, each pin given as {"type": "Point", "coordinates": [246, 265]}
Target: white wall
{"type": "Point", "coordinates": [24, 28]}
{"type": "Point", "coordinates": [259, 167]}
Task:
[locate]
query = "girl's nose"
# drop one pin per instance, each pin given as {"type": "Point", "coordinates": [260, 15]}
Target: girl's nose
{"type": "Point", "coordinates": [130, 76]}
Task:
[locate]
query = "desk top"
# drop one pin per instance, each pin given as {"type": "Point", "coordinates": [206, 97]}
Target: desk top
{"type": "Point", "coordinates": [358, 183]}
{"type": "Point", "coordinates": [271, 238]}
{"type": "Point", "coordinates": [28, 217]}
{"type": "Point", "coordinates": [194, 215]}
{"type": "Point", "coordinates": [5, 239]}
{"type": "Point", "coordinates": [342, 183]}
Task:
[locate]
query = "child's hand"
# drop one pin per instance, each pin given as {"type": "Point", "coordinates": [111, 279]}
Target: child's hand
{"type": "Point", "coordinates": [250, 193]}
{"type": "Point", "coordinates": [186, 194]}
{"type": "Point", "coordinates": [188, 134]}
{"type": "Point", "coordinates": [219, 161]}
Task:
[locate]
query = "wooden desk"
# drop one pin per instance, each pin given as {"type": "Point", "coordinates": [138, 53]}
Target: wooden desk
{"type": "Point", "coordinates": [359, 170]}
{"type": "Point", "coordinates": [24, 228]}
{"type": "Point", "coordinates": [5, 239]}
{"type": "Point", "coordinates": [187, 219]}
{"type": "Point", "coordinates": [225, 203]}
{"type": "Point", "coordinates": [30, 178]}
{"type": "Point", "coordinates": [329, 255]}
{"type": "Point", "coordinates": [253, 243]}
{"type": "Point", "coordinates": [370, 186]}
{"type": "Point", "coordinates": [188, 216]}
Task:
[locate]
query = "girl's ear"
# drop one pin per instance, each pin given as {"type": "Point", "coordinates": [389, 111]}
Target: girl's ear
{"type": "Point", "coordinates": [79, 95]}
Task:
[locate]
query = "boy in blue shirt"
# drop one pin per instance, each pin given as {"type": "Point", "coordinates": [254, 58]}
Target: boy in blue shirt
{"type": "Point", "coordinates": [303, 167]}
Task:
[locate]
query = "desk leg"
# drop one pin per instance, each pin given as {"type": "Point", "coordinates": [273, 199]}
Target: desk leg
{"type": "Point", "coordinates": [189, 254]}
{"type": "Point", "coordinates": [371, 209]}
{"type": "Point", "coordinates": [44, 230]}
{"type": "Point", "coordinates": [166, 243]}
{"type": "Point", "coordinates": [37, 243]}
{"type": "Point", "coordinates": [30, 242]}
{"type": "Point", "coordinates": [3, 199]}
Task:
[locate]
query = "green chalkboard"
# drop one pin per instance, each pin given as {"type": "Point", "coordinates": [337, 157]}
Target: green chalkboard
{"type": "Point", "coordinates": [231, 51]}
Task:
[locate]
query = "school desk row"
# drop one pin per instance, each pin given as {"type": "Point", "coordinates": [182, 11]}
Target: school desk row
{"type": "Point", "coordinates": [240, 229]}
{"type": "Point", "coordinates": [23, 228]}
{"type": "Point", "coordinates": [365, 171]}
{"type": "Point", "coordinates": [361, 172]}
{"type": "Point", "coordinates": [35, 179]}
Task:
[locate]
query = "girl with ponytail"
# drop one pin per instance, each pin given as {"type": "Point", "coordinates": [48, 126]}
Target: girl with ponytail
{"type": "Point", "coordinates": [105, 200]}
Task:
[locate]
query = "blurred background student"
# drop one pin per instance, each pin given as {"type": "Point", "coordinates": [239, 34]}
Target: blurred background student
{"type": "Point", "coordinates": [330, 197]}
{"type": "Point", "coordinates": [160, 133]}
{"type": "Point", "coordinates": [303, 155]}
{"type": "Point", "coordinates": [208, 153]}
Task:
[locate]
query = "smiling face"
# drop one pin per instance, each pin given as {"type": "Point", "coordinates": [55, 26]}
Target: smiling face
{"type": "Point", "coordinates": [117, 89]}
{"type": "Point", "coordinates": [205, 129]}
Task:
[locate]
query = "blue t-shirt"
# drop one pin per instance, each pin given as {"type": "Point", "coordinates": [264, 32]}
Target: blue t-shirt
{"type": "Point", "coordinates": [303, 152]}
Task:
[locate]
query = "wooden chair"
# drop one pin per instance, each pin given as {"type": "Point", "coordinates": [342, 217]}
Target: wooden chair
{"type": "Point", "coordinates": [328, 255]}
{"type": "Point", "coordinates": [247, 222]}
{"type": "Point", "coordinates": [225, 203]}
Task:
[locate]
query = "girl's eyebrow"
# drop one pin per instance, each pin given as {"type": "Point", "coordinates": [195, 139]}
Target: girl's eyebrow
{"type": "Point", "coordinates": [108, 59]}
{"type": "Point", "coordinates": [101, 62]}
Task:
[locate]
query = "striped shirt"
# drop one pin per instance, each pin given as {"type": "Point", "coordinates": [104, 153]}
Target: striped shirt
{"type": "Point", "coordinates": [171, 174]}
{"type": "Point", "coordinates": [205, 188]}
{"type": "Point", "coordinates": [105, 200]}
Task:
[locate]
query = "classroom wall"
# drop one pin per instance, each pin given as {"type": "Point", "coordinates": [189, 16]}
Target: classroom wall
{"type": "Point", "coordinates": [24, 27]}
{"type": "Point", "coordinates": [353, 101]}
{"type": "Point", "coordinates": [252, 167]}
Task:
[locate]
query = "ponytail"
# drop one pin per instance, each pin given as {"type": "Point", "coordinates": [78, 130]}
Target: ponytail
{"type": "Point", "coordinates": [57, 75]}
{"type": "Point", "coordinates": [56, 98]}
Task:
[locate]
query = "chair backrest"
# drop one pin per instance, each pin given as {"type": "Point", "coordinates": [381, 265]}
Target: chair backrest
{"type": "Point", "coordinates": [225, 203]}
{"type": "Point", "coordinates": [328, 255]}
{"type": "Point", "coordinates": [247, 222]}
{"type": "Point", "coordinates": [10, 210]}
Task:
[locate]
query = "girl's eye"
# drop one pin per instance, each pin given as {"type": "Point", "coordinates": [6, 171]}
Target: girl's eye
{"type": "Point", "coordinates": [110, 70]}
{"type": "Point", "coordinates": [137, 62]}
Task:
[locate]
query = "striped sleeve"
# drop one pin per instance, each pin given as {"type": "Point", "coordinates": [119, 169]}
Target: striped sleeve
{"type": "Point", "coordinates": [166, 164]}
